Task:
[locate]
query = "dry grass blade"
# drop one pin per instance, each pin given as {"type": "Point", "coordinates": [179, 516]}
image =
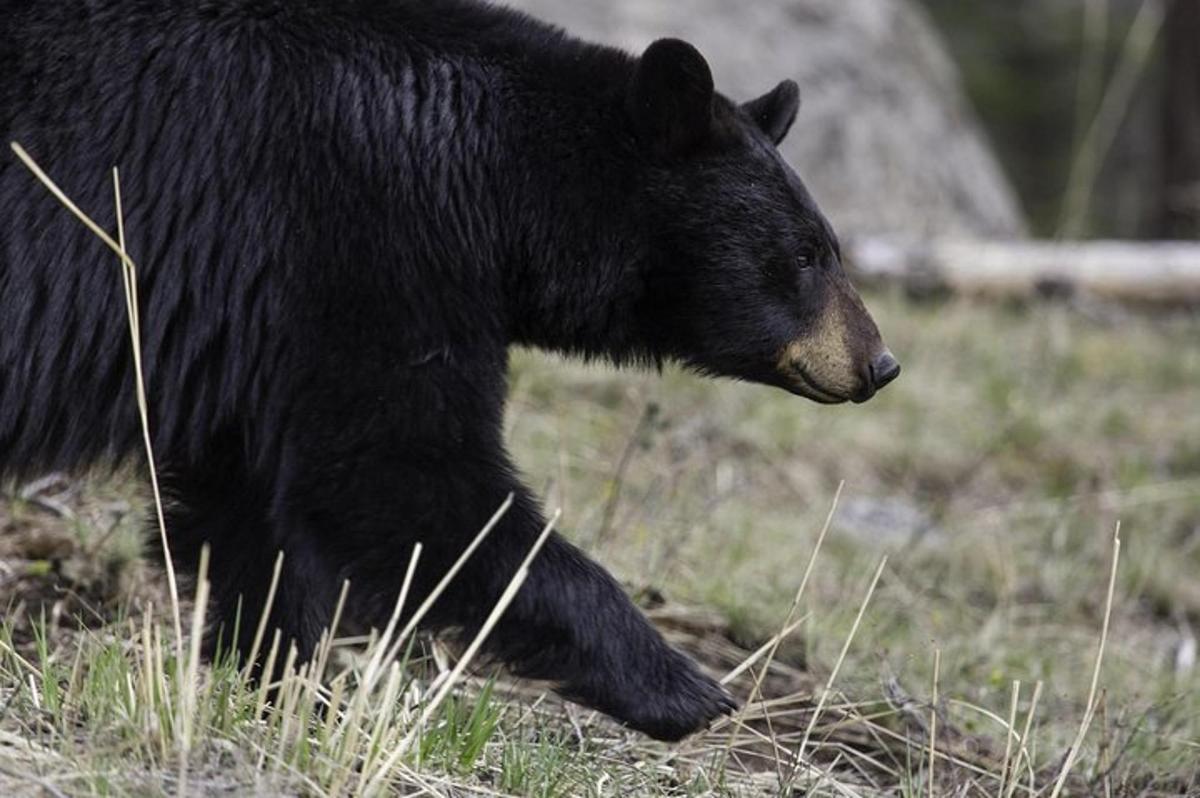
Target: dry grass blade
{"type": "Point", "coordinates": [933, 712]}
{"type": "Point", "coordinates": [1008, 735]}
{"type": "Point", "coordinates": [790, 624]}
{"type": "Point", "coordinates": [441, 586]}
{"type": "Point", "coordinates": [378, 659]}
{"type": "Point", "coordinates": [763, 650]}
{"type": "Point", "coordinates": [369, 787]}
{"type": "Point", "coordinates": [325, 647]}
{"type": "Point", "coordinates": [129, 278]}
{"type": "Point", "coordinates": [188, 689]}
{"type": "Point", "coordinates": [264, 616]}
{"type": "Point", "coordinates": [812, 722]}
{"type": "Point", "coordinates": [1028, 755]}
{"type": "Point", "coordinates": [1073, 751]}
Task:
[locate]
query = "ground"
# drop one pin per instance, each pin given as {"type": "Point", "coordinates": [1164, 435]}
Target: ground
{"type": "Point", "coordinates": [992, 476]}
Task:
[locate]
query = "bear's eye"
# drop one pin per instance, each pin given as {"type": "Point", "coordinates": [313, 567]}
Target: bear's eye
{"type": "Point", "coordinates": [804, 260]}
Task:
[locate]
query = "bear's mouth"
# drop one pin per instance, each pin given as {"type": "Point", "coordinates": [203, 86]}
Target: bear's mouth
{"type": "Point", "coordinates": [802, 384]}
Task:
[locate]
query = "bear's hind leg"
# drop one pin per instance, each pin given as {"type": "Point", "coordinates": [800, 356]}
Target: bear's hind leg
{"type": "Point", "coordinates": [222, 506]}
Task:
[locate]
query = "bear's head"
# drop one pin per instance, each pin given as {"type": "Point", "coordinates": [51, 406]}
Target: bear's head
{"type": "Point", "coordinates": [744, 276]}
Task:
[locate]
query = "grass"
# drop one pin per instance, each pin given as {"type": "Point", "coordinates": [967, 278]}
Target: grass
{"type": "Point", "coordinates": [985, 486]}
{"type": "Point", "coordinates": [991, 476]}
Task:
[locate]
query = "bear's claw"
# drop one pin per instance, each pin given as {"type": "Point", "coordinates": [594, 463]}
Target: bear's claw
{"type": "Point", "coordinates": [691, 707]}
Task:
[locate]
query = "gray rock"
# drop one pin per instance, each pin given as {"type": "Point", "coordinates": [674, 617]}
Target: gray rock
{"type": "Point", "coordinates": [888, 523]}
{"type": "Point", "coordinates": [886, 140]}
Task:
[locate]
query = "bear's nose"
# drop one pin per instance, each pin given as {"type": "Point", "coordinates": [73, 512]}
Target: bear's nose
{"type": "Point", "coordinates": [884, 369]}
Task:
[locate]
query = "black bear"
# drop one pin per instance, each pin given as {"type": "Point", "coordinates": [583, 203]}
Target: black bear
{"type": "Point", "coordinates": [345, 212]}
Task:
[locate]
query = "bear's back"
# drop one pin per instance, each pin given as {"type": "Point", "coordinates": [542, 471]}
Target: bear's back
{"type": "Point", "coordinates": [228, 161]}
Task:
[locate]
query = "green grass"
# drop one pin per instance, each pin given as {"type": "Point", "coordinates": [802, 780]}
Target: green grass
{"type": "Point", "coordinates": [991, 474]}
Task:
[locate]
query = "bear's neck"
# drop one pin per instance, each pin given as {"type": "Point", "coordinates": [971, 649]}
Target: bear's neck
{"type": "Point", "coordinates": [574, 246]}
{"type": "Point", "coordinates": [522, 171]}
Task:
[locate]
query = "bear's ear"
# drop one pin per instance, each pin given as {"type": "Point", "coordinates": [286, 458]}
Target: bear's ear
{"type": "Point", "coordinates": [671, 98]}
{"type": "Point", "coordinates": [775, 111]}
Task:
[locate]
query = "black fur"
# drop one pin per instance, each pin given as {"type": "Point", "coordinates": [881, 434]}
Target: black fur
{"type": "Point", "coordinates": [344, 212]}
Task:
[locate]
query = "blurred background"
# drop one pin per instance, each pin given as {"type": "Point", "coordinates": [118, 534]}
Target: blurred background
{"type": "Point", "coordinates": [1077, 118]}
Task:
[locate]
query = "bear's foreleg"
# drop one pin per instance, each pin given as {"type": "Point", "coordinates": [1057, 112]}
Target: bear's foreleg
{"type": "Point", "coordinates": [388, 459]}
{"type": "Point", "coordinates": [570, 624]}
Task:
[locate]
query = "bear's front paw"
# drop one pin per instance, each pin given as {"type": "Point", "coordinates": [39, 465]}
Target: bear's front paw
{"type": "Point", "coordinates": [663, 695]}
{"type": "Point", "coordinates": [689, 703]}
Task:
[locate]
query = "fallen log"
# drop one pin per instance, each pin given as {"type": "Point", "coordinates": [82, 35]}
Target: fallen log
{"type": "Point", "coordinates": [1163, 272]}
